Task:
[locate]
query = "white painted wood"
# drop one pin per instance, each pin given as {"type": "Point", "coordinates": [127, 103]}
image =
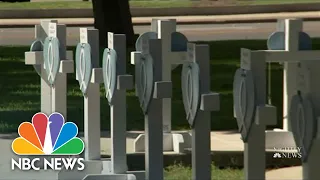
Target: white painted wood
{"type": "Point", "coordinates": [97, 75]}
{"type": "Point", "coordinates": [292, 29]}
{"type": "Point", "coordinates": [92, 99]}
{"type": "Point", "coordinates": [66, 66]}
{"type": "Point", "coordinates": [266, 115]}
{"type": "Point", "coordinates": [291, 57]}
{"type": "Point", "coordinates": [53, 99]}
{"type": "Point", "coordinates": [33, 58]}
{"type": "Point", "coordinates": [254, 148]}
{"type": "Point", "coordinates": [153, 121]}
{"type": "Point", "coordinates": [201, 137]}
{"type": "Point", "coordinates": [210, 101]}
{"type": "Point", "coordinates": [59, 90]}
{"type": "Point", "coordinates": [164, 29]}
{"type": "Point", "coordinates": [118, 109]}
{"type": "Point", "coordinates": [311, 86]}
{"type": "Point", "coordinates": [41, 32]}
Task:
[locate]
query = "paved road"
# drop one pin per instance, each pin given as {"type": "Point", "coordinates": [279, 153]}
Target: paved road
{"type": "Point", "coordinates": [207, 32]}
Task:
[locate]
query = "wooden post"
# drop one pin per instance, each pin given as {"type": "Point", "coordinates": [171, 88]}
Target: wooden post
{"type": "Point", "coordinates": [292, 29]}
{"type": "Point", "coordinates": [118, 109]}
{"type": "Point", "coordinates": [92, 98]}
{"type": "Point", "coordinates": [254, 148]}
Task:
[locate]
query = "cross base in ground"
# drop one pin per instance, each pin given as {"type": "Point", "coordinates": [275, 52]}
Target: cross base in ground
{"type": "Point", "coordinates": [173, 141]}
{"type": "Point", "coordinates": [279, 138]}
{"type": "Point", "coordinates": [97, 169]}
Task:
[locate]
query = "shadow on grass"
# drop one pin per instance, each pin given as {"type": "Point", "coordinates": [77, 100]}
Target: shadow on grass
{"type": "Point", "coordinates": [20, 89]}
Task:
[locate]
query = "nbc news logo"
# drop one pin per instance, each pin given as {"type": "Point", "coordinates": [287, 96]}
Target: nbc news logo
{"type": "Point", "coordinates": [290, 152]}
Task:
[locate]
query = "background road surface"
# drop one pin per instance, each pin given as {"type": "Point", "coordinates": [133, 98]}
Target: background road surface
{"type": "Point", "coordinates": [203, 32]}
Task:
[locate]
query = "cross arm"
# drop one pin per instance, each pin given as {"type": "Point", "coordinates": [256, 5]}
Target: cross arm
{"type": "Point", "coordinates": [34, 58]}
{"type": "Point", "coordinates": [125, 82]}
{"type": "Point", "coordinates": [66, 66]}
{"type": "Point", "coordinates": [266, 115]}
{"type": "Point", "coordinates": [210, 102]}
{"type": "Point", "coordinates": [291, 56]}
{"type": "Point", "coordinates": [135, 56]}
{"type": "Point", "coordinates": [178, 57]}
{"type": "Point", "coordinates": [162, 89]}
{"type": "Point", "coordinates": [97, 75]}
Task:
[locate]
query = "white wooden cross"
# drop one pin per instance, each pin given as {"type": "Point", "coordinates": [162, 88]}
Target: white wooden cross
{"type": "Point", "coordinates": [307, 79]}
{"type": "Point", "coordinates": [171, 141]}
{"type": "Point", "coordinates": [165, 28]}
{"type": "Point", "coordinates": [53, 99]}
{"type": "Point", "coordinates": [92, 97]}
{"type": "Point", "coordinates": [117, 166]}
{"type": "Point", "coordinates": [292, 28]}
{"type": "Point", "coordinates": [92, 120]}
{"type": "Point", "coordinates": [254, 60]}
{"type": "Point", "coordinates": [254, 148]}
{"type": "Point", "coordinates": [290, 57]}
{"type": "Point", "coordinates": [209, 101]}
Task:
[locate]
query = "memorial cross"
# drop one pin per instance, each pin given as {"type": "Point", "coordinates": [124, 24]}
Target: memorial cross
{"type": "Point", "coordinates": [151, 62]}
{"type": "Point", "coordinates": [164, 29]}
{"type": "Point", "coordinates": [53, 98]}
{"type": "Point", "coordinates": [209, 101]}
{"type": "Point", "coordinates": [304, 116]}
{"type": "Point", "coordinates": [92, 95]}
{"type": "Point", "coordinates": [174, 50]}
{"type": "Point", "coordinates": [254, 144]}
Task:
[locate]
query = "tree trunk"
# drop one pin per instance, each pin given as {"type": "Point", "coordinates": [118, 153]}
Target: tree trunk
{"type": "Point", "coordinates": [113, 16]}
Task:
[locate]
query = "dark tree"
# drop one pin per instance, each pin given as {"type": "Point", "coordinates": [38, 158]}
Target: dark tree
{"type": "Point", "coordinates": [113, 16]}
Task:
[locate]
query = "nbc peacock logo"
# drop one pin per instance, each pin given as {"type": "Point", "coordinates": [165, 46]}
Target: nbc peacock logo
{"type": "Point", "coordinates": [47, 136]}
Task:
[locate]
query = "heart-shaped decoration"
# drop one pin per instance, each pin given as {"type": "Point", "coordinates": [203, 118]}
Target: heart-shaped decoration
{"type": "Point", "coordinates": [109, 66]}
{"type": "Point", "coordinates": [244, 101]}
{"type": "Point", "coordinates": [37, 45]}
{"type": "Point", "coordinates": [303, 123]}
{"type": "Point", "coordinates": [178, 42]}
{"type": "Point", "coordinates": [51, 58]}
{"type": "Point", "coordinates": [144, 81]}
{"type": "Point", "coordinates": [190, 87]}
{"type": "Point", "coordinates": [276, 41]}
{"type": "Point", "coordinates": [142, 43]}
{"type": "Point", "coordinates": [83, 66]}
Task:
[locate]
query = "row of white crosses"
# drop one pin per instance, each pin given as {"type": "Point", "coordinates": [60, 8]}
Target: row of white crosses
{"type": "Point", "coordinates": [53, 99]}
{"type": "Point", "coordinates": [151, 59]}
{"type": "Point", "coordinates": [116, 166]}
{"type": "Point", "coordinates": [177, 141]}
{"type": "Point", "coordinates": [300, 81]}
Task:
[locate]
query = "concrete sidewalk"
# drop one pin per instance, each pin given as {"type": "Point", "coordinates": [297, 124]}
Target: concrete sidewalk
{"type": "Point", "coordinates": [290, 173]}
{"type": "Point", "coordinates": [226, 146]}
{"type": "Point", "coordinates": [268, 17]}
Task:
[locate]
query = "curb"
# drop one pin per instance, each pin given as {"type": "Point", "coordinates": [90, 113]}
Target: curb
{"type": "Point", "coordinates": [147, 12]}
{"type": "Point", "coordinates": [147, 22]}
{"type": "Point", "coordinates": [221, 159]}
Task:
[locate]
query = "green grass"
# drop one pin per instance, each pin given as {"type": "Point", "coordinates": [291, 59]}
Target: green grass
{"type": "Point", "coordinates": [179, 172]}
{"type": "Point", "coordinates": [20, 89]}
{"type": "Point", "coordinates": [144, 3]}
{"type": "Point", "coordinates": [79, 5]}
{"type": "Point", "coordinates": [268, 2]}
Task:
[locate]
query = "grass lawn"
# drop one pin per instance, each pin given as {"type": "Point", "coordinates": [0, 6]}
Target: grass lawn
{"type": "Point", "coordinates": [149, 4]}
{"type": "Point", "coordinates": [178, 172]}
{"type": "Point", "coordinates": [20, 89]}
